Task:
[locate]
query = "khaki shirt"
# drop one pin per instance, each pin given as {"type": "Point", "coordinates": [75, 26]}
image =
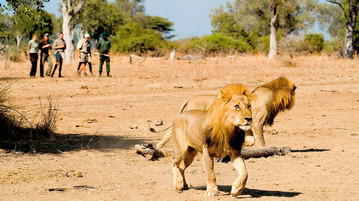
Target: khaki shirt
{"type": "Point", "coordinates": [84, 46]}
{"type": "Point", "coordinates": [58, 43]}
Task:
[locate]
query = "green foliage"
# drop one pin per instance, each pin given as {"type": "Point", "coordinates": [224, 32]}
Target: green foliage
{"type": "Point", "coordinates": [29, 8]}
{"type": "Point", "coordinates": [133, 37]}
{"type": "Point", "coordinates": [214, 44]}
{"type": "Point", "coordinates": [330, 17]}
{"type": "Point", "coordinates": [315, 42]}
{"type": "Point", "coordinates": [244, 16]}
{"type": "Point", "coordinates": [159, 24]}
{"type": "Point", "coordinates": [98, 16]}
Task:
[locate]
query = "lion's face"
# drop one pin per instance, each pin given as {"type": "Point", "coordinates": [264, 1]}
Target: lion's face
{"type": "Point", "coordinates": [238, 112]}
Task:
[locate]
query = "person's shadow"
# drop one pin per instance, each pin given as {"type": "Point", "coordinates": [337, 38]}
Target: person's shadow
{"type": "Point", "coordinates": [254, 193]}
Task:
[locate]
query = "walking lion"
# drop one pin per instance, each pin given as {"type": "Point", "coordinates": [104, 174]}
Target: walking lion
{"type": "Point", "coordinates": [218, 132]}
{"type": "Point", "coordinates": [268, 100]}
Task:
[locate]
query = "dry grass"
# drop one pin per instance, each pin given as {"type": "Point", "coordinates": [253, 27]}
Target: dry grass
{"type": "Point", "coordinates": [16, 129]}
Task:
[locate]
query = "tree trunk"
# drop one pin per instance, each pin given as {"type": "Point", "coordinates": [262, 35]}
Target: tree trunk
{"type": "Point", "coordinates": [69, 9]}
{"type": "Point", "coordinates": [68, 37]}
{"type": "Point", "coordinates": [18, 40]}
{"type": "Point", "coordinates": [348, 46]}
{"type": "Point", "coordinates": [273, 32]}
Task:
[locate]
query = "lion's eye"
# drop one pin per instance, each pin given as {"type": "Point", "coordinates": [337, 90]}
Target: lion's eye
{"type": "Point", "coordinates": [249, 106]}
{"type": "Point", "coordinates": [237, 107]}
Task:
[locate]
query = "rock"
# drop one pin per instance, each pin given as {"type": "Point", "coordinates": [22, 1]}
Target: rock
{"type": "Point", "coordinates": [159, 123]}
{"type": "Point", "coordinates": [134, 127]}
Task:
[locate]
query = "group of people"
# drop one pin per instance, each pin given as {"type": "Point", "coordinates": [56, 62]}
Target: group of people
{"type": "Point", "coordinates": [44, 45]}
{"type": "Point", "coordinates": [59, 45]}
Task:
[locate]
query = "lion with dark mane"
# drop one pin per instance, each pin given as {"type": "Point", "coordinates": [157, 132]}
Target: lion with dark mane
{"type": "Point", "coordinates": [268, 100]}
{"type": "Point", "coordinates": [218, 132]}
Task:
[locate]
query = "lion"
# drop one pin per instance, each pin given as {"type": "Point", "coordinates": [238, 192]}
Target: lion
{"type": "Point", "coordinates": [218, 132]}
{"type": "Point", "coordinates": [268, 100]}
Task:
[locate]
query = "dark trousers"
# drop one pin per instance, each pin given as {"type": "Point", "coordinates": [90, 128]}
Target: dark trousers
{"type": "Point", "coordinates": [102, 60]}
{"type": "Point", "coordinates": [33, 59]}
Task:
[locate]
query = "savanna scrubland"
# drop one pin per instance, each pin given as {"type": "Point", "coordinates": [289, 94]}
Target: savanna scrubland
{"type": "Point", "coordinates": [92, 157]}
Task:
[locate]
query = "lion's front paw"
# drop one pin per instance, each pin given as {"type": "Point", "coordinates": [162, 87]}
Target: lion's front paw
{"type": "Point", "coordinates": [211, 191]}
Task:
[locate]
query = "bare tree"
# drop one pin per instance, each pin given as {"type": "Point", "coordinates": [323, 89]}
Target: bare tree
{"type": "Point", "coordinates": [69, 9]}
{"type": "Point", "coordinates": [4, 51]}
{"type": "Point", "coordinates": [273, 28]}
{"type": "Point", "coordinates": [350, 15]}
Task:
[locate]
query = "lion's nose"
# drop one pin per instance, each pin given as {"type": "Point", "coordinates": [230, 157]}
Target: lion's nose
{"type": "Point", "coordinates": [249, 119]}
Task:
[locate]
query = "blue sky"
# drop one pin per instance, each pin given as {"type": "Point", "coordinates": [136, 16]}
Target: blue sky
{"type": "Point", "coordinates": [190, 17]}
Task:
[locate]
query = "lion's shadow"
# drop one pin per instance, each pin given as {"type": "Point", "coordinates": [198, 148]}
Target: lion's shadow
{"type": "Point", "coordinates": [308, 150]}
{"type": "Point", "coordinates": [254, 193]}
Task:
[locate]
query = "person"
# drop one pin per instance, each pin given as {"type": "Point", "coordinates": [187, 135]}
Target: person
{"type": "Point", "coordinates": [103, 47]}
{"type": "Point", "coordinates": [33, 56]}
{"type": "Point", "coordinates": [59, 46]}
{"type": "Point", "coordinates": [88, 58]}
{"type": "Point", "coordinates": [45, 46]}
{"type": "Point", "coordinates": [84, 50]}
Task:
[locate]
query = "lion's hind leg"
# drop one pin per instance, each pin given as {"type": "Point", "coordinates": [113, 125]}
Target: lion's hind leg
{"type": "Point", "coordinates": [180, 163]}
{"type": "Point", "coordinates": [240, 182]}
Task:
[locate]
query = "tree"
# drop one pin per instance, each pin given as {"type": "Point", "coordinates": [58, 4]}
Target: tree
{"type": "Point", "coordinates": [70, 8]}
{"type": "Point", "coordinates": [273, 4]}
{"type": "Point", "coordinates": [251, 19]}
{"type": "Point", "coordinates": [350, 10]}
{"type": "Point", "coordinates": [99, 16]}
{"type": "Point", "coordinates": [21, 25]}
{"type": "Point", "coordinates": [25, 7]}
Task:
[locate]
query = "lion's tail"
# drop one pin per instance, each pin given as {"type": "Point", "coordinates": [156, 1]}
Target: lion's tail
{"type": "Point", "coordinates": [153, 130]}
{"type": "Point", "coordinates": [165, 139]}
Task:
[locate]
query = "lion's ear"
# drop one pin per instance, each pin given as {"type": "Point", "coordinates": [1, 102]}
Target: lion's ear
{"type": "Point", "coordinates": [248, 94]}
{"type": "Point", "coordinates": [223, 96]}
{"type": "Point", "coordinates": [294, 87]}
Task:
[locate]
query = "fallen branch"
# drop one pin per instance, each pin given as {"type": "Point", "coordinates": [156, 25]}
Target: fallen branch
{"type": "Point", "coordinates": [148, 151]}
{"type": "Point", "coordinates": [270, 151]}
{"type": "Point", "coordinates": [258, 153]}
{"type": "Point", "coordinates": [189, 57]}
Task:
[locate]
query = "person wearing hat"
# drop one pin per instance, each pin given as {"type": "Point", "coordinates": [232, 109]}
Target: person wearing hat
{"type": "Point", "coordinates": [84, 52]}
{"type": "Point", "coordinates": [103, 47]}
{"type": "Point", "coordinates": [88, 59]}
{"type": "Point", "coordinates": [45, 46]}
{"type": "Point", "coordinates": [59, 46]}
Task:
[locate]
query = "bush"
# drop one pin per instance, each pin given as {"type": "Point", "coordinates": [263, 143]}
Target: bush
{"type": "Point", "coordinates": [314, 42]}
{"type": "Point", "coordinates": [135, 38]}
{"type": "Point", "coordinates": [214, 44]}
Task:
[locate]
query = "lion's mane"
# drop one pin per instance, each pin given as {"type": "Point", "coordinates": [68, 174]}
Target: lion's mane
{"type": "Point", "coordinates": [282, 97]}
{"type": "Point", "coordinates": [224, 136]}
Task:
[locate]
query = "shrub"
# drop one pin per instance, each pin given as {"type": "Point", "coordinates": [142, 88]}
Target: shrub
{"type": "Point", "coordinates": [135, 38]}
{"type": "Point", "coordinates": [314, 42]}
{"type": "Point", "coordinates": [214, 44]}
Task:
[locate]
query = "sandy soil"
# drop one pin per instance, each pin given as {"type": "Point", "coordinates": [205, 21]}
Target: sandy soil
{"type": "Point", "coordinates": [98, 161]}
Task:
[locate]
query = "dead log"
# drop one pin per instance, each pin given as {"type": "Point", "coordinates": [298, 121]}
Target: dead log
{"type": "Point", "coordinates": [189, 57]}
{"type": "Point", "coordinates": [148, 151]}
{"type": "Point", "coordinates": [258, 153]}
{"type": "Point", "coordinates": [270, 151]}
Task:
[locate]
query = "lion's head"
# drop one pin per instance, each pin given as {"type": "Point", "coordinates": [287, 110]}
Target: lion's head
{"type": "Point", "coordinates": [283, 97]}
{"type": "Point", "coordinates": [228, 118]}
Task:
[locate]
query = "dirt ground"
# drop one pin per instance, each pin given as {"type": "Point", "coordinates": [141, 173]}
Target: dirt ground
{"type": "Point", "coordinates": [95, 115]}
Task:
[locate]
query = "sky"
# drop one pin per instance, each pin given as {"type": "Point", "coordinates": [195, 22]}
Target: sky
{"type": "Point", "coordinates": [190, 17]}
